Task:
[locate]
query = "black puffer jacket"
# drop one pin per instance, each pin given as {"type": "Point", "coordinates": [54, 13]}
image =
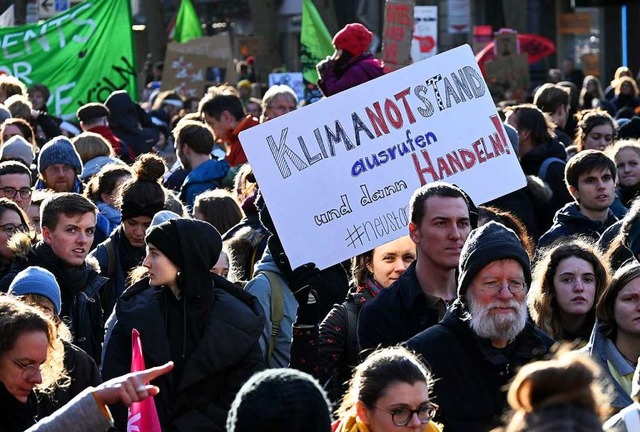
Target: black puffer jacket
{"type": "Point", "coordinates": [470, 376]}
{"type": "Point", "coordinates": [215, 361]}
{"type": "Point", "coordinates": [531, 163]}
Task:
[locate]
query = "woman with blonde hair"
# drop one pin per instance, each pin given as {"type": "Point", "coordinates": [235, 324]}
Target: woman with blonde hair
{"type": "Point", "coordinates": [566, 283]}
{"type": "Point", "coordinates": [95, 152]}
{"type": "Point", "coordinates": [626, 94]}
{"type": "Point", "coordinates": [626, 155]}
{"type": "Point", "coordinates": [389, 392]}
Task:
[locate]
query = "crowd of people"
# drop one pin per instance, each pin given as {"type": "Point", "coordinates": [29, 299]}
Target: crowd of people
{"type": "Point", "coordinates": [148, 218]}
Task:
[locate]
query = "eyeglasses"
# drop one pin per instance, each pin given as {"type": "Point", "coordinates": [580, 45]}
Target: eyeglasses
{"type": "Point", "coordinates": [493, 288]}
{"type": "Point", "coordinates": [10, 229]}
{"type": "Point", "coordinates": [28, 371]}
{"type": "Point", "coordinates": [10, 192]}
{"type": "Point", "coordinates": [402, 416]}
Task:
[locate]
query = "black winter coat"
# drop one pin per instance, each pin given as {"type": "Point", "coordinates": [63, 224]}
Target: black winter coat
{"type": "Point", "coordinates": [531, 163]}
{"type": "Point", "coordinates": [469, 376]}
{"type": "Point", "coordinates": [83, 373]}
{"type": "Point", "coordinates": [226, 356]}
{"type": "Point", "coordinates": [570, 221]}
{"type": "Point", "coordinates": [397, 313]}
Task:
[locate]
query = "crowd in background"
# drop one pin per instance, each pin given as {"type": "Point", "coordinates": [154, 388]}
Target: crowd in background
{"type": "Point", "coordinates": [148, 217]}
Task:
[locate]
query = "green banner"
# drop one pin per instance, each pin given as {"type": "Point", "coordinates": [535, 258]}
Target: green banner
{"type": "Point", "coordinates": [188, 25]}
{"type": "Point", "coordinates": [315, 41]}
{"type": "Point", "coordinates": [82, 55]}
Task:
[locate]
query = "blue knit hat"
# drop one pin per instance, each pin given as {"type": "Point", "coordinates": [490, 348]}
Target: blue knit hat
{"type": "Point", "coordinates": [36, 280]}
{"type": "Point", "coordinates": [59, 151]}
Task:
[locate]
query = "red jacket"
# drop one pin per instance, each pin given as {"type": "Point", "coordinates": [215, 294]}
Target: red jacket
{"type": "Point", "coordinates": [235, 153]}
{"type": "Point", "coordinates": [118, 147]}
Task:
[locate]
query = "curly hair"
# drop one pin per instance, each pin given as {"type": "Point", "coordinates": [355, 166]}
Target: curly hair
{"type": "Point", "coordinates": [541, 299]}
{"type": "Point", "coordinates": [17, 318]}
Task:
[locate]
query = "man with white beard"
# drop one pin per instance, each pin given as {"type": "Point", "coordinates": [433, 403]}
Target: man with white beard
{"type": "Point", "coordinates": [485, 336]}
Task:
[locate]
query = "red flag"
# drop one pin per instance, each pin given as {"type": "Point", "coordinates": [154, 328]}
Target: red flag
{"type": "Point", "coordinates": [143, 416]}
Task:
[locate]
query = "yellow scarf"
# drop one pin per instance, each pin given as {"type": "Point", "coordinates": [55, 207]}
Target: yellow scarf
{"type": "Point", "coordinates": [354, 424]}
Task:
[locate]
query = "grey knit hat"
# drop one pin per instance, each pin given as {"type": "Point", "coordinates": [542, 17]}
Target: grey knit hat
{"type": "Point", "coordinates": [490, 242]}
{"type": "Point", "coordinates": [18, 148]}
{"type": "Point", "coordinates": [280, 400]}
{"type": "Point", "coordinates": [59, 151]}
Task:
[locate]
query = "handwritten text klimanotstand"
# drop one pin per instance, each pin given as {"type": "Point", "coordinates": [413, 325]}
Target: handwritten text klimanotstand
{"type": "Point", "coordinates": [338, 175]}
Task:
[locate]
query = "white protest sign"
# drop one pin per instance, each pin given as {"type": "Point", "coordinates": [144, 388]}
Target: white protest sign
{"type": "Point", "coordinates": [338, 174]}
{"type": "Point", "coordinates": [424, 43]}
{"type": "Point", "coordinates": [291, 79]}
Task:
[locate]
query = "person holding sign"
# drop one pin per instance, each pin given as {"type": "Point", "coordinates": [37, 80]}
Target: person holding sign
{"type": "Point", "coordinates": [351, 64]}
{"type": "Point", "coordinates": [440, 224]}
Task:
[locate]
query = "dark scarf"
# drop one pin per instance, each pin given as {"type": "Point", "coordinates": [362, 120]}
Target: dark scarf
{"type": "Point", "coordinates": [130, 257]}
{"type": "Point", "coordinates": [15, 415]}
{"type": "Point", "coordinates": [72, 280]}
{"type": "Point", "coordinates": [628, 194]}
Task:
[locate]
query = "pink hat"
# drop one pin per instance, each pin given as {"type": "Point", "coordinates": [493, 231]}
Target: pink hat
{"type": "Point", "coordinates": [353, 38]}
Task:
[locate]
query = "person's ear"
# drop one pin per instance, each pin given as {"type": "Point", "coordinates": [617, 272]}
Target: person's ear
{"type": "Point", "coordinates": [413, 233]}
{"type": "Point", "coordinates": [46, 235]}
{"type": "Point", "coordinates": [575, 193]}
{"type": "Point", "coordinates": [363, 412]}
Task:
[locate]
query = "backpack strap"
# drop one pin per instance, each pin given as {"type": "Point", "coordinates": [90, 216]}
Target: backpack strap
{"type": "Point", "coordinates": [111, 259]}
{"type": "Point", "coordinates": [352, 326]}
{"type": "Point", "coordinates": [544, 167]}
{"type": "Point", "coordinates": [277, 309]}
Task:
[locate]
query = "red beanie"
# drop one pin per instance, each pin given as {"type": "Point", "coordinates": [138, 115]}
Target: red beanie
{"type": "Point", "coordinates": [353, 38]}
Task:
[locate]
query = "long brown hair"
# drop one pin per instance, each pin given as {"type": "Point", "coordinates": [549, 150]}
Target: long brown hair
{"type": "Point", "coordinates": [541, 299]}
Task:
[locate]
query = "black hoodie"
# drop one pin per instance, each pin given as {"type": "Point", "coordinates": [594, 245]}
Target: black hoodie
{"type": "Point", "coordinates": [130, 123]}
{"type": "Point", "coordinates": [215, 349]}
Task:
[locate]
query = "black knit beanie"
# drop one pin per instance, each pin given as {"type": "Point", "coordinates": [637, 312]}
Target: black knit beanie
{"type": "Point", "coordinates": [490, 242]}
{"type": "Point", "coordinates": [277, 400]}
{"type": "Point", "coordinates": [165, 238]}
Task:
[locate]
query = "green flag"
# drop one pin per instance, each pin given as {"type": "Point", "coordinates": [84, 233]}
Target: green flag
{"type": "Point", "coordinates": [188, 25]}
{"type": "Point", "coordinates": [315, 41]}
{"type": "Point", "coordinates": [82, 55]}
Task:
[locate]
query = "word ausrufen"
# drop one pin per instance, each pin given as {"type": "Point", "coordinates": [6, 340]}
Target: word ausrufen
{"type": "Point", "coordinates": [404, 108]}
